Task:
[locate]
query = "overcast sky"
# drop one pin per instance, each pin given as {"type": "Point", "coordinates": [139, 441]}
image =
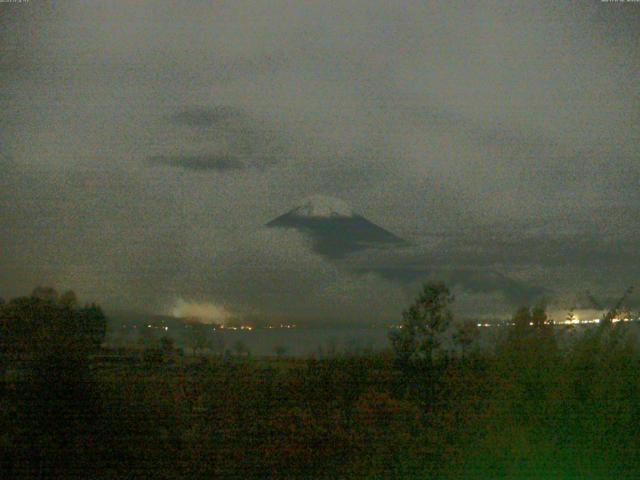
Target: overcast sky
{"type": "Point", "coordinates": [145, 144]}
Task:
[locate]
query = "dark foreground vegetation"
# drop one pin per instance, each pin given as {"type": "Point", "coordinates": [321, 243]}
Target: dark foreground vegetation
{"type": "Point", "coordinates": [524, 408]}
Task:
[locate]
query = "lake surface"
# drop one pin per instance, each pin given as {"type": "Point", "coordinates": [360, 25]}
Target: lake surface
{"type": "Point", "coordinates": [304, 341]}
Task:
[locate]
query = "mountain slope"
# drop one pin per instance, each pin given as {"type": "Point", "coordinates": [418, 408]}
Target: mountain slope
{"type": "Point", "coordinates": [334, 228]}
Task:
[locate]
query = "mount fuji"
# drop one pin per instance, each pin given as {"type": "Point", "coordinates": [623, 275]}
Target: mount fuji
{"type": "Point", "coordinates": [334, 228]}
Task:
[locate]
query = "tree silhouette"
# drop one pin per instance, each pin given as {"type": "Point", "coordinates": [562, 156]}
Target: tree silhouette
{"type": "Point", "coordinates": [531, 323]}
{"type": "Point", "coordinates": [93, 324]}
{"type": "Point", "coordinates": [607, 318]}
{"type": "Point", "coordinates": [168, 349]}
{"type": "Point", "coordinates": [167, 344]}
{"type": "Point", "coordinates": [48, 294]}
{"type": "Point", "coordinates": [539, 317]}
{"type": "Point", "coordinates": [50, 343]}
{"type": "Point", "coordinates": [465, 334]}
{"type": "Point", "coordinates": [241, 348]}
{"type": "Point", "coordinates": [422, 323]}
{"type": "Point", "coordinates": [199, 337]}
{"type": "Point", "coordinates": [40, 327]}
{"type": "Point", "coordinates": [69, 299]}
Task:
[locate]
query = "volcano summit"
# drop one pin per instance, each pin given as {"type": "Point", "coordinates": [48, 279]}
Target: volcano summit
{"type": "Point", "coordinates": [334, 228]}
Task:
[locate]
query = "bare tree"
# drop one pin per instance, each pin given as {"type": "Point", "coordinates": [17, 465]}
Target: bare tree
{"type": "Point", "coordinates": [614, 311]}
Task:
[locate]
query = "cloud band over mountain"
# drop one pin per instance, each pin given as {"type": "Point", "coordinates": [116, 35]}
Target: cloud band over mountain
{"type": "Point", "coordinates": [220, 163]}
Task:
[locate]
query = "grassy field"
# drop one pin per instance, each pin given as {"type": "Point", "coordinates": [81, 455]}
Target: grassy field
{"type": "Point", "coordinates": [524, 409]}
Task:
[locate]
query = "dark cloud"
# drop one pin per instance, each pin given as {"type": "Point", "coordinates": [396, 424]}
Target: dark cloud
{"type": "Point", "coordinates": [516, 292]}
{"type": "Point", "coordinates": [236, 139]}
{"type": "Point", "coordinates": [570, 250]}
{"type": "Point", "coordinates": [220, 163]}
{"type": "Point", "coordinates": [477, 281]}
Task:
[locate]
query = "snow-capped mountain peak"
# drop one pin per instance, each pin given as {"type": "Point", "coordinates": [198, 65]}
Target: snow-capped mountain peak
{"type": "Point", "coordinates": [334, 228]}
{"type": "Point", "coordinates": [324, 207]}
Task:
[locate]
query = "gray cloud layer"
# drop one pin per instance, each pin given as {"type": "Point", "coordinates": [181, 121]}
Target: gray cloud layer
{"type": "Point", "coordinates": [149, 142]}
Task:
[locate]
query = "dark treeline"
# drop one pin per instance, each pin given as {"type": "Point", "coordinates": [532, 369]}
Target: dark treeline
{"type": "Point", "coordinates": [523, 408]}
